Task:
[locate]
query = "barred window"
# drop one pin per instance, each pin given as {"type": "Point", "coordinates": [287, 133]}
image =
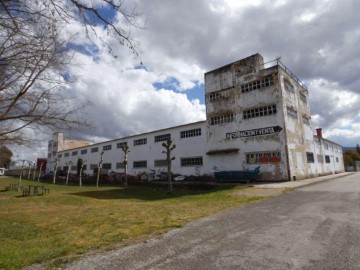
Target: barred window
{"type": "Point", "coordinates": [291, 112]}
{"type": "Point", "coordinates": [107, 147]}
{"type": "Point", "coordinates": [217, 96]}
{"type": "Point", "coordinates": [190, 133]}
{"type": "Point", "coordinates": [289, 87]}
{"type": "Point", "coordinates": [160, 163]}
{"type": "Point", "coordinates": [259, 111]}
{"type": "Point", "coordinates": [74, 153]}
{"type": "Point", "coordinates": [59, 155]}
{"type": "Point", "coordinates": [106, 166]}
{"type": "Point", "coordinates": [327, 159]}
{"type": "Point", "coordinates": [140, 141]}
{"type": "Point", "coordinates": [303, 97]}
{"type": "Point", "coordinates": [306, 120]}
{"type": "Point", "coordinates": [221, 119]}
{"type": "Point", "coordinates": [93, 166]}
{"type": "Point", "coordinates": [320, 158]}
{"type": "Point", "coordinates": [121, 144]}
{"type": "Point", "coordinates": [251, 86]}
{"type": "Point", "coordinates": [191, 161]}
{"type": "Point", "coordinates": [83, 152]}
{"type": "Point", "coordinates": [263, 157]}
{"type": "Point", "coordinates": [310, 157]}
{"type": "Point", "coordinates": [73, 168]}
{"type": "Point", "coordinates": [162, 138]}
{"type": "Point", "coordinates": [140, 164]}
{"type": "Point", "coordinates": [95, 149]}
{"type": "Point", "coordinates": [120, 165]}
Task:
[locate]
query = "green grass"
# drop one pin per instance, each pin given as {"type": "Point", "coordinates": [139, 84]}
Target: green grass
{"type": "Point", "coordinates": [72, 220]}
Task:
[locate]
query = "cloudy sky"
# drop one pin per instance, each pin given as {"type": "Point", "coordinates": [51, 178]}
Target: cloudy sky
{"type": "Point", "coordinates": [318, 40]}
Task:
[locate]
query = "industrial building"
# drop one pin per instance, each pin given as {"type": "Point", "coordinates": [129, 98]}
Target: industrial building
{"type": "Point", "coordinates": [255, 116]}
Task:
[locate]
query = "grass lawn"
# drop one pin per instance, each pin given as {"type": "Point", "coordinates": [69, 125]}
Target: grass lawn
{"type": "Point", "coordinates": [72, 220]}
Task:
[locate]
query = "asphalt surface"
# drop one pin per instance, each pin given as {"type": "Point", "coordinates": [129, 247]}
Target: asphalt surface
{"type": "Point", "coordinates": [313, 227]}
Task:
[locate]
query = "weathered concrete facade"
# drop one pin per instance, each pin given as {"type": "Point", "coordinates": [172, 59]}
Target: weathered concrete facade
{"type": "Point", "coordinates": [255, 116]}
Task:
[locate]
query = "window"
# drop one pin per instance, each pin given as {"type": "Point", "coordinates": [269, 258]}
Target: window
{"type": "Point", "coordinates": [326, 146]}
{"type": "Point", "coordinates": [120, 165]}
{"type": "Point", "coordinates": [310, 157]}
{"type": "Point", "coordinates": [140, 164]}
{"type": "Point", "coordinates": [340, 150]}
{"type": "Point", "coordinates": [263, 157]}
{"type": "Point", "coordinates": [106, 166]}
{"type": "Point", "coordinates": [306, 119]}
{"type": "Point", "coordinates": [320, 158]}
{"type": "Point", "coordinates": [65, 168]}
{"type": "Point", "coordinates": [222, 119]}
{"type": "Point", "coordinates": [67, 154]}
{"type": "Point", "coordinates": [327, 159]}
{"type": "Point", "coordinates": [251, 86]}
{"type": "Point", "coordinates": [162, 138]}
{"type": "Point", "coordinates": [259, 111]}
{"type": "Point", "coordinates": [121, 144]}
{"type": "Point", "coordinates": [49, 155]}
{"type": "Point", "coordinates": [303, 98]}
{"type": "Point", "coordinates": [93, 166]}
{"type": "Point", "coordinates": [107, 147]}
{"type": "Point", "coordinates": [191, 161]}
{"type": "Point", "coordinates": [95, 149]}
{"type": "Point", "coordinates": [291, 112]}
{"type": "Point", "coordinates": [190, 133]}
{"type": "Point", "coordinates": [73, 168]}
{"type": "Point", "coordinates": [337, 159]}
{"type": "Point", "coordinates": [84, 167]}
{"type": "Point", "coordinates": [59, 155]}
{"type": "Point", "coordinates": [318, 144]}
{"type": "Point", "coordinates": [289, 87]}
{"type": "Point", "coordinates": [218, 96]}
{"type": "Point", "coordinates": [160, 163]}
{"type": "Point", "coordinates": [331, 148]}
{"type": "Point", "coordinates": [74, 153]}
{"type": "Point", "coordinates": [140, 141]}
{"type": "Point", "coordinates": [83, 152]}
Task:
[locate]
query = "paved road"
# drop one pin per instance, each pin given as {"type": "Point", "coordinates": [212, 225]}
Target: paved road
{"type": "Point", "coordinates": [314, 227]}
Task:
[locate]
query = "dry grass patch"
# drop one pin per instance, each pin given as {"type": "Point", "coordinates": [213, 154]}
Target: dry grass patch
{"type": "Point", "coordinates": [72, 220]}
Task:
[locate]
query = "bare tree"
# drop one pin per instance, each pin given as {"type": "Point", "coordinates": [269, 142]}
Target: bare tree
{"type": "Point", "coordinates": [99, 168]}
{"type": "Point", "coordinates": [169, 147]}
{"type": "Point", "coordinates": [125, 149]}
{"type": "Point", "coordinates": [34, 59]}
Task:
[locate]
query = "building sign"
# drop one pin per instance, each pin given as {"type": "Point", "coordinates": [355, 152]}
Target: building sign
{"type": "Point", "coordinates": [253, 132]}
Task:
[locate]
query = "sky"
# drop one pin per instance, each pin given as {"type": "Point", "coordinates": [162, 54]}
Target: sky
{"type": "Point", "coordinates": [318, 40]}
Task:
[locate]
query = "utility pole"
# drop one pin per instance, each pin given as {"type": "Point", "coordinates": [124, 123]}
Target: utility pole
{"type": "Point", "coordinates": [55, 169]}
{"type": "Point", "coordinates": [169, 147]}
{"type": "Point", "coordinates": [68, 164]}
{"type": "Point", "coordinates": [99, 167]}
{"type": "Point", "coordinates": [125, 149]}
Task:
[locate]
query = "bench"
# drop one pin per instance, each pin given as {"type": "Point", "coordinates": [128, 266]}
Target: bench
{"type": "Point", "coordinates": [237, 176]}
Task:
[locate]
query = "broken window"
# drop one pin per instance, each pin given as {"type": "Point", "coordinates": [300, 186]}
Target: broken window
{"type": "Point", "coordinates": [160, 163]}
{"type": "Point", "coordinates": [191, 161]}
{"type": "Point", "coordinates": [259, 111]}
{"type": "Point", "coordinates": [140, 164]}
{"type": "Point", "coordinates": [190, 133]}
{"type": "Point", "coordinates": [140, 141]}
{"type": "Point", "coordinates": [162, 138]}
{"type": "Point", "coordinates": [222, 119]}
{"type": "Point", "coordinates": [289, 87]}
{"type": "Point", "coordinates": [251, 86]}
{"type": "Point", "coordinates": [310, 157]}
{"type": "Point", "coordinates": [263, 157]}
{"type": "Point", "coordinates": [217, 96]}
{"type": "Point", "coordinates": [291, 112]}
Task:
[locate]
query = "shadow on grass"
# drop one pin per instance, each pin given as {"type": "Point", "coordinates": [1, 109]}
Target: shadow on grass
{"type": "Point", "coordinates": [144, 193]}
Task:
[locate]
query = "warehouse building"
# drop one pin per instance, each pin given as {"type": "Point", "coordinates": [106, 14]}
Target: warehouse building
{"type": "Point", "coordinates": [255, 116]}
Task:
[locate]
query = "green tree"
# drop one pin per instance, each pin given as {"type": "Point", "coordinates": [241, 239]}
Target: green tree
{"type": "Point", "coordinates": [358, 148]}
{"type": "Point", "coordinates": [350, 157]}
{"type": "Point", "coordinates": [5, 156]}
